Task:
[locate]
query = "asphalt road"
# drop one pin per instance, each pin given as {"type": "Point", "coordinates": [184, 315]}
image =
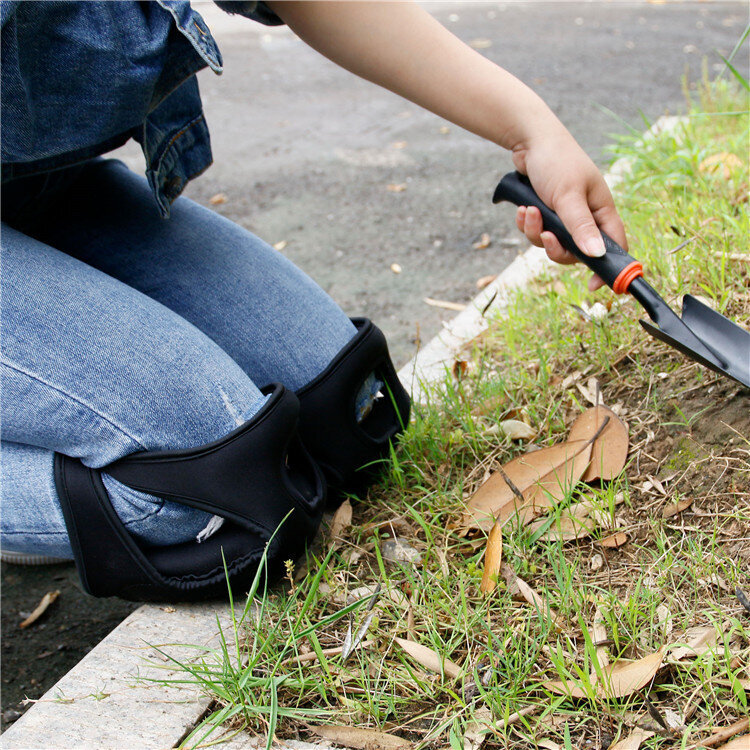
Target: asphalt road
{"type": "Point", "coordinates": [305, 152]}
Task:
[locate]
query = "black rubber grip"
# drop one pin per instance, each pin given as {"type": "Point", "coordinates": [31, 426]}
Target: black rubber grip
{"type": "Point", "coordinates": [516, 188]}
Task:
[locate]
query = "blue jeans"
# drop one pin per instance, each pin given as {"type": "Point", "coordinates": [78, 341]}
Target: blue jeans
{"type": "Point", "coordinates": [124, 332]}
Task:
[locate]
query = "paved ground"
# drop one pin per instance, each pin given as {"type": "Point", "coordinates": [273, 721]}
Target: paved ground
{"type": "Point", "coordinates": [305, 152]}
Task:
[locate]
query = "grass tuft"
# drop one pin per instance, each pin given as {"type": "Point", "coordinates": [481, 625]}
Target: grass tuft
{"type": "Point", "coordinates": [278, 671]}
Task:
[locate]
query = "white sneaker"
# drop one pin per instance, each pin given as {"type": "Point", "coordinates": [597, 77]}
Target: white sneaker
{"type": "Point", "coordinates": [29, 558]}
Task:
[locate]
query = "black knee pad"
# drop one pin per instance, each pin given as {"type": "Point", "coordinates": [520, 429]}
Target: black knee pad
{"type": "Point", "coordinates": [259, 478]}
{"type": "Point", "coordinates": [351, 453]}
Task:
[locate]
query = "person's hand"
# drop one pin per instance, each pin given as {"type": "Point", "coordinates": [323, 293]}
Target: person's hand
{"type": "Point", "coordinates": [566, 179]}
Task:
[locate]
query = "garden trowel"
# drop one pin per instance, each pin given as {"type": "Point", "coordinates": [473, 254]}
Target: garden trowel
{"type": "Point", "coordinates": [701, 333]}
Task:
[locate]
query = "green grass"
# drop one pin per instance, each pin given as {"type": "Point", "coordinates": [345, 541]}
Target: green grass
{"type": "Point", "coordinates": [673, 573]}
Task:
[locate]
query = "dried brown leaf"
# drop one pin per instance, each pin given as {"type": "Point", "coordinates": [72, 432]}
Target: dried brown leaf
{"type": "Point", "coordinates": [538, 601]}
{"type": "Point", "coordinates": [360, 737]}
{"type": "Point", "coordinates": [697, 641]}
{"type": "Point", "coordinates": [614, 540]}
{"type": "Point", "coordinates": [610, 450]}
{"type": "Point", "coordinates": [41, 608]}
{"type": "Point", "coordinates": [485, 281]}
{"type": "Point", "coordinates": [459, 369]}
{"type": "Point", "coordinates": [428, 658]}
{"type": "Point", "coordinates": [634, 740]}
{"type": "Point", "coordinates": [738, 743]}
{"type": "Point", "coordinates": [621, 679]}
{"type": "Point", "coordinates": [483, 242]}
{"type": "Point", "coordinates": [341, 521]}
{"type": "Point", "coordinates": [720, 735]}
{"type": "Point", "coordinates": [493, 558]}
{"type": "Point", "coordinates": [592, 390]}
{"type": "Point", "coordinates": [445, 305]}
{"type": "Point", "coordinates": [515, 429]}
{"type": "Point", "coordinates": [672, 509]}
{"type": "Point", "coordinates": [721, 164]}
{"type": "Point", "coordinates": [574, 523]}
{"type": "Point", "coordinates": [543, 477]}
{"type": "Point", "coordinates": [599, 635]}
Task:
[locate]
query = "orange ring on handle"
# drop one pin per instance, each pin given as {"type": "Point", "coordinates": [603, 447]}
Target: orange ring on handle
{"type": "Point", "coordinates": [626, 276]}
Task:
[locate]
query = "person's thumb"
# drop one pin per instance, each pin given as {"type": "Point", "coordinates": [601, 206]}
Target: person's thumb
{"type": "Point", "coordinates": [574, 212]}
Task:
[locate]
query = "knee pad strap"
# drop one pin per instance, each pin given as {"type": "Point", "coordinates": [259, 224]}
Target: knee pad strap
{"type": "Point", "coordinates": [348, 451]}
{"type": "Point", "coordinates": [257, 477]}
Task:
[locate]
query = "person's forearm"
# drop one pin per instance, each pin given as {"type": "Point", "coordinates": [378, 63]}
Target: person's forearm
{"type": "Point", "coordinates": [401, 47]}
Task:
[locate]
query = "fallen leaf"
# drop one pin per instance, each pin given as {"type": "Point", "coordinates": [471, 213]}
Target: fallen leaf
{"type": "Point", "coordinates": [634, 740]}
{"type": "Point", "coordinates": [360, 737]}
{"type": "Point", "coordinates": [609, 451]}
{"type": "Point", "coordinates": [395, 595]}
{"type": "Point", "coordinates": [455, 306]}
{"type": "Point", "coordinates": [697, 641]}
{"type": "Point", "coordinates": [397, 550]}
{"type": "Point", "coordinates": [459, 369]}
{"type": "Point", "coordinates": [41, 608]}
{"type": "Point", "coordinates": [515, 717]}
{"type": "Point", "coordinates": [341, 521]}
{"type": "Point", "coordinates": [490, 404]}
{"type": "Point", "coordinates": [672, 509]}
{"type": "Point", "coordinates": [510, 578]}
{"type": "Point", "coordinates": [483, 242]}
{"type": "Point", "coordinates": [573, 523]}
{"type": "Point", "coordinates": [218, 199]}
{"type": "Point", "coordinates": [592, 390]}
{"type": "Point", "coordinates": [738, 743]}
{"type": "Point", "coordinates": [485, 281]}
{"type": "Point", "coordinates": [599, 635]}
{"type": "Point", "coordinates": [428, 658]}
{"type": "Point", "coordinates": [665, 619]}
{"type": "Point", "coordinates": [394, 187]}
{"type": "Point", "coordinates": [621, 679]}
{"type": "Point", "coordinates": [549, 745]}
{"type": "Point", "coordinates": [715, 580]}
{"type": "Point", "coordinates": [614, 540]}
{"type": "Point", "coordinates": [721, 164]}
{"type": "Point", "coordinates": [538, 601]}
{"type": "Point", "coordinates": [624, 678]}
{"type": "Point", "coordinates": [596, 562]}
{"type": "Point", "coordinates": [477, 729]}
{"type": "Point", "coordinates": [493, 558]}
{"type": "Point", "coordinates": [515, 429]}
{"type": "Point", "coordinates": [543, 477]}
{"type": "Point", "coordinates": [726, 733]}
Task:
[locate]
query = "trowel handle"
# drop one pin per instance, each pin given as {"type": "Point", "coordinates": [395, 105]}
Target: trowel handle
{"type": "Point", "coordinates": [615, 267]}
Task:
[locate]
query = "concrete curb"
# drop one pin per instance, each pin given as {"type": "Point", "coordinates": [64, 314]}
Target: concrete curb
{"type": "Point", "coordinates": [106, 702]}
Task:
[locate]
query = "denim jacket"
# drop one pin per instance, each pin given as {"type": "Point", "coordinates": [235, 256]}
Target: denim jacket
{"type": "Point", "coordinates": [81, 78]}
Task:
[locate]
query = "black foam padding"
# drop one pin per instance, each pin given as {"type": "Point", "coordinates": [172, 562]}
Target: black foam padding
{"type": "Point", "coordinates": [259, 478]}
{"type": "Point", "coordinates": [349, 452]}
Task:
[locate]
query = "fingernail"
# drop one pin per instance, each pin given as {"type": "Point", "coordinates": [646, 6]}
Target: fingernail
{"type": "Point", "coordinates": [594, 247]}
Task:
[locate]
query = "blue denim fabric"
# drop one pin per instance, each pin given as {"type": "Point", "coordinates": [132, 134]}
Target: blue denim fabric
{"type": "Point", "coordinates": [123, 332]}
{"type": "Point", "coordinates": [81, 78]}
